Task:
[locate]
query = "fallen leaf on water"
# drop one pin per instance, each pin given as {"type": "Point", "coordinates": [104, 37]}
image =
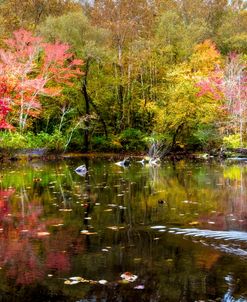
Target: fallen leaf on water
{"type": "Point", "coordinates": [68, 282]}
{"type": "Point", "coordinates": [127, 276]}
{"type": "Point", "coordinates": [139, 287]}
{"type": "Point", "coordinates": [102, 281]}
{"type": "Point", "coordinates": [65, 210]}
{"type": "Point", "coordinates": [86, 232]}
{"type": "Point", "coordinates": [123, 281]}
{"type": "Point", "coordinates": [41, 234]}
{"type": "Point", "coordinates": [194, 223]}
{"type": "Point", "coordinates": [154, 227]}
{"type": "Point", "coordinates": [115, 228]}
{"type": "Point", "coordinates": [76, 278]}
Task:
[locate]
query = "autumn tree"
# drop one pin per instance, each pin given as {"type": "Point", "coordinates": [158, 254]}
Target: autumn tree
{"type": "Point", "coordinates": [87, 42]}
{"type": "Point", "coordinates": [231, 34]}
{"type": "Point", "coordinates": [127, 22]}
{"type": "Point", "coordinates": [33, 68]}
{"type": "Point", "coordinates": [28, 14]}
{"type": "Point", "coordinates": [4, 104]}
{"type": "Point", "coordinates": [234, 87]}
{"type": "Point", "coordinates": [183, 111]}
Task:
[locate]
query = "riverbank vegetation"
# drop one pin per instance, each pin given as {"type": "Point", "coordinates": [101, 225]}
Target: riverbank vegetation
{"type": "Point", "coordinates": [116, 75]}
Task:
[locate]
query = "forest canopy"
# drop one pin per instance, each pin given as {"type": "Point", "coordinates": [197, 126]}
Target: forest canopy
{"type": "Point", "coordinates": [109, 75]}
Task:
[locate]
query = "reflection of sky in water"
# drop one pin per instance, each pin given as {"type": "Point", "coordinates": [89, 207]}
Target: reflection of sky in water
{"type": "Point", "coordinates": [180, 228]}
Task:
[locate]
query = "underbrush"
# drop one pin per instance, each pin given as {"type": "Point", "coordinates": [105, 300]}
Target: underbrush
{"type": "Point", "coordinates": [42, 140]}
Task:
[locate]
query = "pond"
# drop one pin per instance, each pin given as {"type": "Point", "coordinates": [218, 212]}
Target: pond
{"type": "Point", "coordinates": [176, 232]}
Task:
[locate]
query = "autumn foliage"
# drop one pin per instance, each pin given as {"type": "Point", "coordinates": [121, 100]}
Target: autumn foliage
{"type": "Point", "coordinates": [30, 68]}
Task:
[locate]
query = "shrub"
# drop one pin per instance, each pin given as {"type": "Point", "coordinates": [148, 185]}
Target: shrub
{"type": "Point", "coordinates": [132, 139]}
{"type": "Point", "coordinates": [12, 140]}
{"type": "Point", "coordinates": [232, 141]}
{"type": "Point", "coordinates": [101, 143]}
{"type": "Point", "coordinates": [205, 137]}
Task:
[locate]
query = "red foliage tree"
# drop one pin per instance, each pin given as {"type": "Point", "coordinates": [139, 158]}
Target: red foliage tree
{"type": "Point", "coordinates": [32, 68]}
{"type": "Point", "coordinates": [4, 105]}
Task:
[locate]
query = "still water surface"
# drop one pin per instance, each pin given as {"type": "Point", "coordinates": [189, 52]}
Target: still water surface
{"type": "Point", "coordinates": [178, 230]}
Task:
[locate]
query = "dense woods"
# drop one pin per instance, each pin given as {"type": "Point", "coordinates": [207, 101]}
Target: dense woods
{"type": "Point", "coordinates": [109, 75]}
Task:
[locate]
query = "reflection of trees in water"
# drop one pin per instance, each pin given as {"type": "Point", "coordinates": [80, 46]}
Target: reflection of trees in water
{"type": "Point", "coordinates": [237, 204]}
{"type": "Point", "coordinates": [170, 268]}
{"type": "Point", "coordinates": [26, 250]}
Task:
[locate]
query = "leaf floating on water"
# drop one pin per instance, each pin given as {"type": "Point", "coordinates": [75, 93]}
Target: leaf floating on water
{"type": "Point", "coordinates": [186, 201]}
{"type": "Point", "coordinates": [169, 260]}
{"type": "Point", "coordinates": [85, 280]}
{"type": "Point", "coordinates": [108, 210]}
{"type": "Point", "coordinates": [127, 276]}
{"type": "Point", "coordinates": [123, 281]}
{"type": "Point", "coordinates": [194, 223]}
{"type": "Point", "coordinates": [23, 231]}
{"type": "Point", "coordinates": [105, 250]}
{"type": "Point", "coordinates": [86, 232]}
{"type": "Point", "coordinates": [102, 281]}
{"type": "Point", "coordinates": [115, 228]}
{"type": "Point", "coordinates": [76, 279]}
{"type": "Point", "coordinates": [139, 286]}
{"type": "Point", "coordinates": [37, 179]}
{"type": "Point", "coordinates": [41, 234]}
{"type": "Point", "coordinates": [65, 210]}
{"type": "Point", "coordinates": [68, 282]}
{"type": "Point", "coordinates": [156, 227]}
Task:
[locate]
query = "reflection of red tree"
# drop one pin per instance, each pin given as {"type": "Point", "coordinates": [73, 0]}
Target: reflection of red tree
{"type": "Point", "coordinates": [23, 235]}
{"type": "Point", "coordinates": [4, 207]}
{"type": "Point", "coordinates": [21, 262]}
{"type": "Point", "coordinates": [58, 260]}
{"type": "Point", "coordinates": [63, 245]}
{"type": "Point", "coordinates": [17, 254]}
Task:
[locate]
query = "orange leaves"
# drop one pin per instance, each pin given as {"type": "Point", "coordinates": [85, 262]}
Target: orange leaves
{"type": "Point", "coordinates": [206, 57]}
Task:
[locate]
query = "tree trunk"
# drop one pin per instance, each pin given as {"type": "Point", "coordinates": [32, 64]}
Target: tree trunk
{"type": "Point", "coordinates": [89, 101]}
{"type": "Point", "coordinates": [87, 109]}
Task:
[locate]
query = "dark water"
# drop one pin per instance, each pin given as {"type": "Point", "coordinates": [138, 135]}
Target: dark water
{"type": "Point", "coordinates": [179, 230]}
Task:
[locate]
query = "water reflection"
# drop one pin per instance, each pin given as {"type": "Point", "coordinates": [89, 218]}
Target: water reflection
{"type": "Point", "coordinates": [55, 225]}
